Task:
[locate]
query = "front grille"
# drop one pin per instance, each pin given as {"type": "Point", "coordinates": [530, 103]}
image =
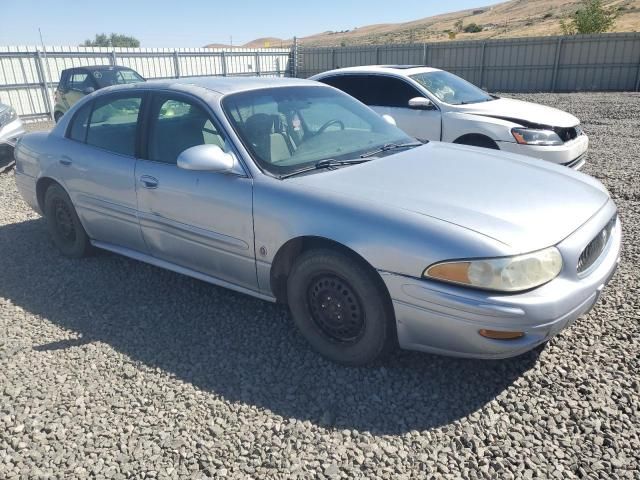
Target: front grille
{"type": "Point", "coordinates": [592, 252]}
{"type": "Point", "coordinates": [568, 134]}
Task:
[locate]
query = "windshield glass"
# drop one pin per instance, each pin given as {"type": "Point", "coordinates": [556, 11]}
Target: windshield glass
{"type": "Point", "coordinates": [289, 128]}
{"type": "Point", "coordinates": [451, 89]}
{"type": "Point", "coordinates": [106, 78]}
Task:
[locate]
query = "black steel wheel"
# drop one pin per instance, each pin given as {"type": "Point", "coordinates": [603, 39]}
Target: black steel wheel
{"type": "Point", "coordinates": [336, 309]}
{"type": "Point", "coordinates": [340, 307]}
{"type": "Point", "coordinates": [63, 223]}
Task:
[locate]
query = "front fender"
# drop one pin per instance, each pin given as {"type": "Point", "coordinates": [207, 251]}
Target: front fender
{"type": "Point", "coordinates": [389, 239]}
{"type": "Point", "coordinates": [456, 124]}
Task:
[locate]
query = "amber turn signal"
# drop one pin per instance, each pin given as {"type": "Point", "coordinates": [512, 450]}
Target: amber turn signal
{"type": "Point", "coordinates": [499, 335]}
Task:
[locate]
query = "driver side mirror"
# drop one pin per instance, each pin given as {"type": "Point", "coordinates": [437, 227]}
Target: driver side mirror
{"type": "Point", "coordinates": [88, 90]}
{"type": "Point", "coordinates": [209, 158]}
{"type": "Point", "coordinates": [420, 103]}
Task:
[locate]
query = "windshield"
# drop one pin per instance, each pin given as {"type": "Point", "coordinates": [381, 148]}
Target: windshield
{"type": "Point", "coordinates": [451, 89]}
{"type": "Point", "coordinates": [106, 78]}
{"type": "Point", "coordinates": [289, 128]}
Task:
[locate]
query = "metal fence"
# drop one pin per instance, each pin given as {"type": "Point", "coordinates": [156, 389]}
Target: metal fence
{"type": "Point", "coordinates": [539, 64]}
{"type": "Point", "coordinates": [29, 75]}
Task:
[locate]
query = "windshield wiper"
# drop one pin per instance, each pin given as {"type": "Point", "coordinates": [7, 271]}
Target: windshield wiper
{"type": "Point", "coordinates": [326, 163]}
{"type": "Point", "coordinates": [390, 146]}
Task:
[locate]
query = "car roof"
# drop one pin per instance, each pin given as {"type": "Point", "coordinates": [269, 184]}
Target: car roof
{"type": "Point", "coordinates": [402, 70]}
{"type": "Point", "coordinates": [226, 85]}
{"type": "Point", "coordinates": [98, 67]}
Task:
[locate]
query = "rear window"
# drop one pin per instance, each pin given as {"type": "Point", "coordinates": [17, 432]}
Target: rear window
{"type": "Point", "coordinates": [106, 78]}
{"type": "Point", "coordinates": [114, 123]}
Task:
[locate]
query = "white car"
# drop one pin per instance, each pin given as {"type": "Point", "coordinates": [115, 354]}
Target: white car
{"type": "Point", "coordinates": [431, 104]}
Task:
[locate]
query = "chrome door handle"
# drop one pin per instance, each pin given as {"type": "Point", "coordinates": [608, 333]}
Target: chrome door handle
{"type": "Point", "coordinates": [148, 181]}
{"type": "Point", "coordinates": [66, 161]}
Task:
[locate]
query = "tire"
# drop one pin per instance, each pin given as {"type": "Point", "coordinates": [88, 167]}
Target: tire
{"type": "Point", "coordinates": [325, 287]}
{"type": "Point", "coordinates": [478, 141]}
{"type": "Point", "coordinates": [57, 116]}
{"type": "Point", "coordinates": [63, 223]}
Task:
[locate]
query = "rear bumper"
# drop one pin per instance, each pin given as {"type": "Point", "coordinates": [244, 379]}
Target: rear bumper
{"type": "Point", "coordinates": [571, 154]}
{"type": "Point", "coordinates": [439, 318]}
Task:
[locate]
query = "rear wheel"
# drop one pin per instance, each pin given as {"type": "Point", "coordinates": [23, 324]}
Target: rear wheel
{"type": "Point", "coordinates": [63, 223]}
{"type": "Point", "coordinates": [339, 307]}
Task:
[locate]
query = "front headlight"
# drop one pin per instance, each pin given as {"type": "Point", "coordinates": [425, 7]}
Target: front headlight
{"type": "Point", "coordinates": [532, 136]}
{"type": "Point", "coordinates": [505, 274]}
{"type": "Point", "coordinates": [7, 116]}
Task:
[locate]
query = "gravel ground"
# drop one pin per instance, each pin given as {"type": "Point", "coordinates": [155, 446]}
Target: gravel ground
{"type": "Point", "coordinates": [110, 368]}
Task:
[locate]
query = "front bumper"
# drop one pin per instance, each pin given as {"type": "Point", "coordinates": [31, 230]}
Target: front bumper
{"type": "Point", "coordinates": [11, 132]}
{"type": "Point", "coordinates": [571, 154]}
{"type": "Point", "coordinates": [445, 319]}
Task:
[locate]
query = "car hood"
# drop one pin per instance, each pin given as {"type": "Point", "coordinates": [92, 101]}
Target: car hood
{"type": "Point", "coordinates": [522, 203]}
{"type": "Point", "coordinates": [523, 113]}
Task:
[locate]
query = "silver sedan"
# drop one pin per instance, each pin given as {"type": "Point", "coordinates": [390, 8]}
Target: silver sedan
{"type": "Point", "coordinates": [292, 191]}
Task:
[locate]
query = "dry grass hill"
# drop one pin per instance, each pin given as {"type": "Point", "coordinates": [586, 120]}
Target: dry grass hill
{"type": "Point", "coordinates": [515, 18]}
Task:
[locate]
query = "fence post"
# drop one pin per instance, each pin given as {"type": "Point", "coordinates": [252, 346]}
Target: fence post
{"type": "Point", "coordinates": [224, 64]}
{"type": "Point", "coordinates": [638, 76]}
{"type": "Point", "coordinates": [333, 58]}
{"type": "Point", "coordinates": [294, 60]}
{"type": "Point", "coordinates": [176, 63]}
{"type": "Point", "coordinates": [377, 55]}
{"type": "Point", "coordinates": [425, 53]}
{"type": "Point", "coordinates": [257, 64]}
{"type": "Point", "coordinates": [113, 59]}
{"type": "Point", "coordinates": [44, 84]}
{"type": "Point", "coordinates": [484, 46]}
{"type": "Point", "coordinates": [554, 77]}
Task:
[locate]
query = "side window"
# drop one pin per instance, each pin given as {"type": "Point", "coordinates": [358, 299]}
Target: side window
{"type": "Point", "coordinates": [395, 92]}
{"type": "Point", "coordinates": [361, 87]}
{"type": "Point", "coordinates": [176, 125]}
{"type": "Point", "coordinates": [78, 81]}
{"type": "Point", "coordinates": [78, 129]}
{"type": "Point", "coordinates": [113, 124]}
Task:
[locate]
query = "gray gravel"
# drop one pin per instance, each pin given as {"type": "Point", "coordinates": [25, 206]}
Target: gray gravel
{"type": "Point", "coordinates": [110, 368]}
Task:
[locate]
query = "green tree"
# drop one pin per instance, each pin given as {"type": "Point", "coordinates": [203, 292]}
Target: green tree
{"type": "Point", "coordinates": [472, 28]}
{"type": "Point", "coordinates": [593, 17]}
{"type": "Point", "coordinates": [113, 40]}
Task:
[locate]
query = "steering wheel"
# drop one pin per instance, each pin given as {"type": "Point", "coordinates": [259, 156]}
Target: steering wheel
{"type": "Point", "coordinates": [328, 124]}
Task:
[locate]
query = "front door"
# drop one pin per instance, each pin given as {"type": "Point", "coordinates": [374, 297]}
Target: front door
{"type": "Point", "coordinates": [195, 219]}
{"type": "Point", "coordinates": [392, 98]}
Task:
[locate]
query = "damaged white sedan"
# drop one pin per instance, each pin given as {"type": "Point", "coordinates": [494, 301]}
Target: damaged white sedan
{"type": "Point", "coordinates": [431, 104]}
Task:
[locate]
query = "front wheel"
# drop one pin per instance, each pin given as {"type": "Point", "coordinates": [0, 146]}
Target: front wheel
{"type": "Point", "coordinates": [339, 307]}
{"type": "Point", "coordinates": [63, 223]}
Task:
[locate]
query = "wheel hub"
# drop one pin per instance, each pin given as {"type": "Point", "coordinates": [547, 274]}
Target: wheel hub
{"type": "Point", "coordinates": [336, 309]}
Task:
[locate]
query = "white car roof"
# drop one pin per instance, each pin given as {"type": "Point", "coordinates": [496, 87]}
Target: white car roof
{"type": "Point", "coordinates": [400, 70]}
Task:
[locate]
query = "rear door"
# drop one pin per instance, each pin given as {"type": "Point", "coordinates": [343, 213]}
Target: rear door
{"type": "Point", "coordinates": [195, 219]}
{"type": "Point", "coordinates": [99, 165]}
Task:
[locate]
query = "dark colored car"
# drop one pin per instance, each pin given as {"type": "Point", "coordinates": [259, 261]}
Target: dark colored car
{"type": "Point", "coordinates": [77, 82]}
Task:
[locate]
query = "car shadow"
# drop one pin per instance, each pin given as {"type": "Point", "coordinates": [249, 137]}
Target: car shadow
{"type": "Point", "coordinates": [233, 345]}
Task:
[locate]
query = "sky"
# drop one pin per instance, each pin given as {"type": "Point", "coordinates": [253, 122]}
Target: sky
{"type": "Point", "coordinates": [195, 23]}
